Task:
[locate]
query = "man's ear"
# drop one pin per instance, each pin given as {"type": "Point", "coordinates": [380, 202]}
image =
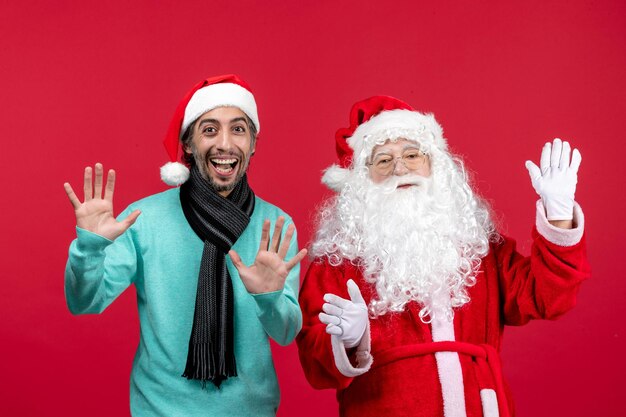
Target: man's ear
{"type": "Point", "coordinates": [188, 137]}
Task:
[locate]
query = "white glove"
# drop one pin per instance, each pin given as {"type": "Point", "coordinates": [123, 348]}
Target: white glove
{"type": "Point", "coordinates": [345, 319]}
{"type": "Point", "coordinates": [556, 181]}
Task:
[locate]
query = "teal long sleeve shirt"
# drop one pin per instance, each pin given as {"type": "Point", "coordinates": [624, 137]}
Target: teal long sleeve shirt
{"type": "Point", "coordinates": [160, 254]}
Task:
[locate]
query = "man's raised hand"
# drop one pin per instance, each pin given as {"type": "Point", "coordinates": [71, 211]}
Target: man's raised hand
{"type": "Point", "coordinates": [95, 214]}
{"type": "Point", "coordinates": [269, 270]}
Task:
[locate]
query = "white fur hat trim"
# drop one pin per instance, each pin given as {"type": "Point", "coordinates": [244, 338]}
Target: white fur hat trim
{"type": "Point", "coordinates": [395, 124]}
{"type": "Point", "coordinates": [174, 174]}
{"type": "Point", "coordinates": [335, 177]}
{"type": "Point", "coordinates": [220, 95]}
{"type": "Point", "coordinates": [387, 125]}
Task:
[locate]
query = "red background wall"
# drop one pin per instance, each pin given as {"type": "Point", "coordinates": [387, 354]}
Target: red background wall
{"type": "Point", "coordinates": [98, 81]}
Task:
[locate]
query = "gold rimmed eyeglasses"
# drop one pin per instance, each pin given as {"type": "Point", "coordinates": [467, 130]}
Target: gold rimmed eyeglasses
{"type": "Point", "coordinates": [385, 164]}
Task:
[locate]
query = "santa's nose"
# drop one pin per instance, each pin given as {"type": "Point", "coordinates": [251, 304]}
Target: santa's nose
{"type": "Point", "coordinates": [400, 169]}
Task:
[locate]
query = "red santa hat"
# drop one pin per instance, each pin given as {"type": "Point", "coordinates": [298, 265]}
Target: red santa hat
{"type": "Point", "coordinates": [208, 94]}
{"type": "Point", "coordinates": [372, 122]}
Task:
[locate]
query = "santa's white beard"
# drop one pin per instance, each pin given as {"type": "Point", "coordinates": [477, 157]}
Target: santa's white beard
{"type": "Point", "coordinates": [422, 243]}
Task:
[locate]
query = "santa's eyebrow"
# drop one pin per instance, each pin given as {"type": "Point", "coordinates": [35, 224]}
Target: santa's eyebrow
{"type": "Point", "coordinates": [374, 156]}
{"type": "Point", "coordinates": [406, 147]}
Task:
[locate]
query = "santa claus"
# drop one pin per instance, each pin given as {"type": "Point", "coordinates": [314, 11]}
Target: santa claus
{"type": "Point", "coordinates": [411, 285]}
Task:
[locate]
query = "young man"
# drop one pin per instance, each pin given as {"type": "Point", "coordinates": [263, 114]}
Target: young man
{"type": "Point", "coordinates": [205, 316]}
{"type": "Point", "coordinates": [411, 285]}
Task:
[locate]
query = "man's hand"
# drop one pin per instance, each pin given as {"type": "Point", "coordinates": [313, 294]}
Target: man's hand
{"type": "Point", "coordinates": [269, 270]}
{"type": "Point", "coordinates": [345, 319]}
{"type": "Point", "coordinates": [95, 214]}
{"type": "Point", "coordinates": [556, 181]}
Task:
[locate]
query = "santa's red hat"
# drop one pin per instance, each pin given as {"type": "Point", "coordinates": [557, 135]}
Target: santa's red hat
{"type": "Point", "coordinates": [208, 94]}
{"type": "Point", "coordinates": [372, 122]}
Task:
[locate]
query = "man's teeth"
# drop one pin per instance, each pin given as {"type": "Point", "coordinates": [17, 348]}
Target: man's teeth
{"type": "Point", "coordinates": [223, 165]}
{"type": "Point", "coordinates": [223, 161]}
{"type": "Point", "coordinates": [224, 169]}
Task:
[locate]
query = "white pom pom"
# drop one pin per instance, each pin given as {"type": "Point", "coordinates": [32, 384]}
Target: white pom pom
{"type": "Point", "coordinates": [335, 177]}
{"type": "Point", "coordinates": [174, 173]}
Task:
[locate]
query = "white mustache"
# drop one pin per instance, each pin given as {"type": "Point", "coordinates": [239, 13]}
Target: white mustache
{"type": "Point", "coordinates": [394, 182]}
{"type": "Point", "coordinates": [413, 180]}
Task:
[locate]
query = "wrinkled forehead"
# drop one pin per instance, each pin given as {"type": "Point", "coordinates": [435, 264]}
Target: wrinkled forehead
{"type": "Point", "coordinates": [395, 146]}
{"type": "Point", "coordinates": [420, 137]}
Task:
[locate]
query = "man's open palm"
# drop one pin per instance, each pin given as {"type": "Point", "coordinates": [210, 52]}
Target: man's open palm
{"type": "Point", "coordinates": [95, 214]}
{"type": "Point", "coordinates": [269, 270]}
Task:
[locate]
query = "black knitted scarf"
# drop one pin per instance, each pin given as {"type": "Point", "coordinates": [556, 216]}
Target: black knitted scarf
{"type": "Point", "coordinates": [219, 222]}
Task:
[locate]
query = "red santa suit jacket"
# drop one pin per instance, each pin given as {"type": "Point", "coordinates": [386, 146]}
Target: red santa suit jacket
{"type": "Point", "coordinates": [404, 367]}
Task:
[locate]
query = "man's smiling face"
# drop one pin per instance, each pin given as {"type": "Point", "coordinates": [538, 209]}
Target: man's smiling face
{"type": "Point", "coordinates": [221, 144]}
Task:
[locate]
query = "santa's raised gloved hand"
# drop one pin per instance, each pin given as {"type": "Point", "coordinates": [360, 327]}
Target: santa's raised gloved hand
{"type": "Point", "coordinates": [556, 181]}
{"type": "Point", "coordinates": [345, 319]}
